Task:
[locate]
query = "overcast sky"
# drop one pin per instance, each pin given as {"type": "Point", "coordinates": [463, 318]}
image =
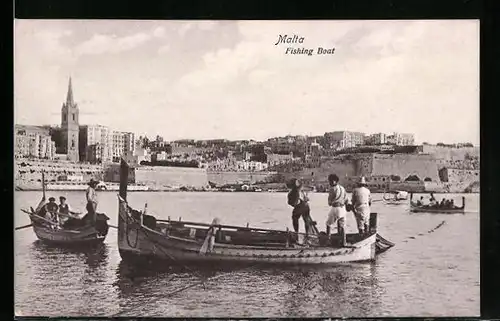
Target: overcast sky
{"type": "Point", "coordinates": [227, 79]}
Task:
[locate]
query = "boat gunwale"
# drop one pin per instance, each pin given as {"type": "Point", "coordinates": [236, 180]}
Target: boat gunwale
{"type": "Point", "coordinates": [356, 245]}
{"type": "Point", "coordinates": [419, 209]}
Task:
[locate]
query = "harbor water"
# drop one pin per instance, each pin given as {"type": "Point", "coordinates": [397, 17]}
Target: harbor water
{"type": "Point", "coordinates": [430, 272]}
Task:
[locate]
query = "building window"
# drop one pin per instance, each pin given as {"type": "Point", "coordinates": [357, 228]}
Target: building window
{"type": "Point", "coordinates": [73, 117]}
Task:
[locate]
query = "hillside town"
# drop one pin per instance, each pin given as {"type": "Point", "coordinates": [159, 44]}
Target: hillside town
{"type": "Point", "coordinates": [71, 153]}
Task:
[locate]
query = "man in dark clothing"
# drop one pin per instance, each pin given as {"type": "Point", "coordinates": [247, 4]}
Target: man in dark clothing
{"type": "Point", "coordinates": [51, 210]}
{"type": "Point", "coordinates": [299, 201]}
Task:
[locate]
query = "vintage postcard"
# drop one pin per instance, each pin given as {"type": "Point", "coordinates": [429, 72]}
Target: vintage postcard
{"type": "Point", "coordinates": [246, 168]}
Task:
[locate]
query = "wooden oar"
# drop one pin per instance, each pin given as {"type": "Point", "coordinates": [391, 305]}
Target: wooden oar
{"type": "Point", "coordinates": [24, 226]}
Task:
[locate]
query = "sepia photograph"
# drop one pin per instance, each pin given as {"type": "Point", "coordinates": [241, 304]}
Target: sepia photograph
{"type": "Point", "coordinates": [245, 168]}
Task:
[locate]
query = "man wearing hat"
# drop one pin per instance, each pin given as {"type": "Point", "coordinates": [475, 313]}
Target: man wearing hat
{"type": "Point", "coordinates": [92, 200]}
{"type": "Point", "coordinates": [361, 201]}
{"type": "Point", "coordinates": [65, 209]}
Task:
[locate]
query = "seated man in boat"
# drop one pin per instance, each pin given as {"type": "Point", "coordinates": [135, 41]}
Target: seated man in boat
{"type": "Point", "coordinates": [299, 201]}
{"type": "Point", "coordinates": [51, 209]}
{"type": "Point", "coordinates": [442, 204]}
{"type": "Point", "coordinates": [65, 209]}
{"type": "Point", "coordinates": [420, 202]}
{"type": "Point", "coordinates": [361, 201]}
{"type": "Point", "coordinates": [337, 200]}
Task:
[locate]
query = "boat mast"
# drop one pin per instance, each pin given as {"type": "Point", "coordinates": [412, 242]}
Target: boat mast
{"type": "Point", "coordinates": [43, 184]}
{"type": "Point", "coordinates": [124, 169]}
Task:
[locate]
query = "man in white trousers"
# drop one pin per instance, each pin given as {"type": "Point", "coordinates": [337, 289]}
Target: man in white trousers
{"type": "Point", "coordinates": [337, 199]}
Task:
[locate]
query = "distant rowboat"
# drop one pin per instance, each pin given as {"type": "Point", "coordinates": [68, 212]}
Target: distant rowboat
{"type": "Point", "coordinates": [427, 209]}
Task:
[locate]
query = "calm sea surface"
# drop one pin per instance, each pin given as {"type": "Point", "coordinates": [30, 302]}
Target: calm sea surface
{"type": "Point", "coordinates": [425, 274]}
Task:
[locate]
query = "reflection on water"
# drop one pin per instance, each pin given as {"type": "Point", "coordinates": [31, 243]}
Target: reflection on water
{"type": "Point", "coordinates": [425, 274]}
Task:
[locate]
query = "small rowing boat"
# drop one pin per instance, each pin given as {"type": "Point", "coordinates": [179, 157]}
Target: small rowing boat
{"type": "Point", "coordinates": [74, 232]}
{"type": "Point", "coordinates": [415, 208]}
{"type": "Point", "coordinates": [142, 236]}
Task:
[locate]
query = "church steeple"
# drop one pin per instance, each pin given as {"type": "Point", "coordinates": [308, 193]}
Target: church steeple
{"type": "Point", "coordinates": [69, 96]}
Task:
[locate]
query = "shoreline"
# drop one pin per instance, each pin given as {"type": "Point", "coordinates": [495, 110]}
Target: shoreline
{"type": "Point", "coordinates": [208, 191]}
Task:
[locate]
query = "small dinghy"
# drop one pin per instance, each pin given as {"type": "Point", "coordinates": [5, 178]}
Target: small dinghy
{"type": "Point", "coordinates": [142, 236]}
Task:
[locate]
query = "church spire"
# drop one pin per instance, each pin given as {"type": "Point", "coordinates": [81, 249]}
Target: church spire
{"type": "Point", "coordinates": [69, 97]}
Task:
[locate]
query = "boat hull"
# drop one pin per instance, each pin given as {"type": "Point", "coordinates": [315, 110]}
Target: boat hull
{"type": "Point", "coordinates": [416, 209]}
{"type": "Point", "coordinates": [136, 240]}
{"type": "Point", "coordinates": [68, 237]}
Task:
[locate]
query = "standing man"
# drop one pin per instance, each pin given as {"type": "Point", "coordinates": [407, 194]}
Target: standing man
{"type": "Point", "coordinates": [361, 201]}
{"type": "Point", "coordinates": [337, 199]}
{"type": "Point", "coordinates": [92, 200]}
{"type": "Point", "coordinates": [299, 201]}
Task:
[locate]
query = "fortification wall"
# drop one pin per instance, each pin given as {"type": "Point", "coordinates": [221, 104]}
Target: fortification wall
{"type": "Point", "coordinates": [450, 153]}
{"type": "Point", "coordinates": [404, 165]}
{"type": "Point", "coordinates": [171, 176]}
{"type": "Point", "coordinates": [319, 176]}
{"type": "Point", "coordinates": [456, 175]}
{"type": "Point", "coordinates": [222, 178]}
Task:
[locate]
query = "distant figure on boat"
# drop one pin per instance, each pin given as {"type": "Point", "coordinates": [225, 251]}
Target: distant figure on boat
{"type": "Point", "coordinates": [92, 200]}
{"type": "Point", "coordinates": [300, 203]}
{"type": "Point", "coordinates": [420, 202]}
{"type": "Point", "coordinates": [337, 199]}
{"type": "Point", "coordinates": [361, 201]}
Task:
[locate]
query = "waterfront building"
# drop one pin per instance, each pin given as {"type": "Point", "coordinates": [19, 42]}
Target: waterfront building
{"type": "Point", "coordinates": [29, 171]}
{"type": "Point", "coordinates": [123, 143]}
{"type": "Point", "coordinates": [96, 143]}
{"type": "Point", "coordinates": [400, 139]}
{"type": "Point", "coordinates": [33, 142]}
{"type": "Point", "coordinates": [278, 159]}
{"type": "Point", "coordinates": [69, 126]}
{"type": "Point", "coordinates": [344, 139]}
{"type": "Point", "coordinates": [376, 139]}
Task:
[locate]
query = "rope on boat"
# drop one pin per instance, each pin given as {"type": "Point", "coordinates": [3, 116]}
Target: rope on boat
{"type": "Point", "coordinates": [428, 232]}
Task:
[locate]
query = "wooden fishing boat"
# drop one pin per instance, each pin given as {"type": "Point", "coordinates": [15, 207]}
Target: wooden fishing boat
{"type": "Point", "coordinates": [427, 209]}
{"type": "Point", "coordinates": [75, 232]}
{"type": "Point", "coordinates": [142, 236]}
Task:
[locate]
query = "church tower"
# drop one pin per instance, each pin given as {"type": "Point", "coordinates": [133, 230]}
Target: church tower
{"type": "Point", "coordinates": [69, 126]}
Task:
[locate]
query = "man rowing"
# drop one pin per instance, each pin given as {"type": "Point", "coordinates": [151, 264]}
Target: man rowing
{"type": "Point", "coordinates": [65, 209]}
